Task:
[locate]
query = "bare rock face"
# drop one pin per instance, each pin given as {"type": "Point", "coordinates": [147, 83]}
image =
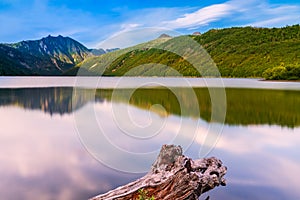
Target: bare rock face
{"type": "Point", "coordinates": [173, 176]}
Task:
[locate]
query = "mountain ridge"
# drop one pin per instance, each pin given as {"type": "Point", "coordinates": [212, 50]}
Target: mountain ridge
{"type": "Point", "coordinates": [51, 55]}
{"type": "Point", "coordinates": [47, 56]}
{"type": "Point", "coordinates": [272, 53]}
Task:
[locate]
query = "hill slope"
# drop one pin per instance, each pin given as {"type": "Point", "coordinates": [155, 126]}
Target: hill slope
{"type": "Point", "coordinates": [238, 52]}
{"type": "Point", "coordinates": [248, 52]}
{"type": "Point", "coordinates": [99, 65]}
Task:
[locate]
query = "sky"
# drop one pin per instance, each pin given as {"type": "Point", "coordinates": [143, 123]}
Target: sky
{"type": "Point", "coordinates": [92, 22]}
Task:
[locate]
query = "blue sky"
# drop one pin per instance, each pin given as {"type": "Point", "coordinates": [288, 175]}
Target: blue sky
{"type": "Point", "coordinates": [92, 21]}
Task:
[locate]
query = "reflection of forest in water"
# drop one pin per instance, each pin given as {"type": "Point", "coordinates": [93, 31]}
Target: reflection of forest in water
{"type": "Point", "coordinates": [244, 106]}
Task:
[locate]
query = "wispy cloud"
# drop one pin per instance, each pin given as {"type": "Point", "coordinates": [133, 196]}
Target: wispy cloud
{"type": "Point", "coordinates": [276, 15]}
{"type": "Point", "coordinates": [201, 17]}
{"type": "Point", "coordinates": [234, 12]}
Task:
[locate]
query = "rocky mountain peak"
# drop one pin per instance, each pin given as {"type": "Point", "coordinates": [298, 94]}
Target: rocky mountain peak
{"type": "Point", "coordinates": [164, 36]}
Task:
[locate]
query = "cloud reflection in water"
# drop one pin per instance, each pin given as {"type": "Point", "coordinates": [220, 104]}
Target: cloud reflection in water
{"type": "Point", "coordinates": [41, 156]}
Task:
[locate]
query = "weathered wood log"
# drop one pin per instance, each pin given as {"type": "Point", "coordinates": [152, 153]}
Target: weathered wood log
{"type": "Point", "coordinates": [173, 176]}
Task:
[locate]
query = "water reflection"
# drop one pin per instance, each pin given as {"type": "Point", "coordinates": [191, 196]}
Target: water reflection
{"type": "Point", "coordinates": [244, 106]}
{"type": "Point", "coordinates": [263, 162]}
{"type": "Point", "coordinates": [42, 158]}
{"type": "Point", "coordinates": [49, 100]}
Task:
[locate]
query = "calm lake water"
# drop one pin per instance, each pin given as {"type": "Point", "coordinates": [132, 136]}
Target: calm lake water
{"type": "Point", "coordinates": [62, 139]}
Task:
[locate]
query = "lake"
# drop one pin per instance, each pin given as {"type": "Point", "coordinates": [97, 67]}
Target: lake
{"type": "Point", "coordinates": [73, 138]}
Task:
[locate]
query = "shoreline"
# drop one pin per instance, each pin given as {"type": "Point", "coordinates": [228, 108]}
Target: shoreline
{"type": "Point", "coordinates": [138, 82]}
{"type": "Point", "coordinates": [189, 77]}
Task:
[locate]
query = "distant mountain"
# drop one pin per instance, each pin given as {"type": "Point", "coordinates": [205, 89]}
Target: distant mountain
{"type": "Point", "coordinates": [197, 33]}
{"type": "Point", "coordinates": [164, 36]}
{"type": "Point", "coordinates": [98, 52]}
{"type": "Point", "coordinates": [47, 56]}
{"type": "Point", "coordinates": [111, 50]}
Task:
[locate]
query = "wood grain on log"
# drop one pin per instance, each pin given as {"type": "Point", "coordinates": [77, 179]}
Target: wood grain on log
{"type": "Point", "coordinates": [173, 176]}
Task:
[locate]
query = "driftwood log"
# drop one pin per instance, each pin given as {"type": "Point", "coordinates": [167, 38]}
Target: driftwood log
{"type": "Point", "coordinates": [173, 176]}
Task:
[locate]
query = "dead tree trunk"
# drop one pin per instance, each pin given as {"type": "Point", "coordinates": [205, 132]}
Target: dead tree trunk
{"type": "Point", "coordinates": [173, 176]}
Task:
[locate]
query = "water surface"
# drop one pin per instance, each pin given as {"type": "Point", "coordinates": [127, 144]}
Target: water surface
{"type": "Point", "coordinates": [42, 155]}
{"type": "Point", "coordinates": [129, 82]}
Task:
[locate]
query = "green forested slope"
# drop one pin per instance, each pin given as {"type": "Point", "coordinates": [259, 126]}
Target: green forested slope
{"type": "Point", "coordinates": [248, 52]}
{"type": "Point", "coordinates": [238, 52]}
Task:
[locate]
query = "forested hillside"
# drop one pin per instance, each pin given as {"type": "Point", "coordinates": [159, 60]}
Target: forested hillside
{"type": "Point", "coordinates": [238, 52]}
{"type": "Point", "coordinates": [248, 52]}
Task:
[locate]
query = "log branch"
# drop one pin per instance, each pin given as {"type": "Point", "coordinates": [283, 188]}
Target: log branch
{"type": "Point", "coordinates": [173, 176]}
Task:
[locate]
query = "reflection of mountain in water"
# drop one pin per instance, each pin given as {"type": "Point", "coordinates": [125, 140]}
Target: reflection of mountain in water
{"type": "Point", "coordinates": [49, 100]}
{"type": "Point", "coordinates": [244, 106]}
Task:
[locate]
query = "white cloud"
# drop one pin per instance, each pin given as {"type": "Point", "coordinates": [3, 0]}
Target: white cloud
{"type": "Point", "coordinates": [272, 22]}
{"type": "Point", "coordinates": [238, 13]}
{"type": "Point", "coordinates": [201, 17]}
{"type": "Point", "coordinates": [276, 15]}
